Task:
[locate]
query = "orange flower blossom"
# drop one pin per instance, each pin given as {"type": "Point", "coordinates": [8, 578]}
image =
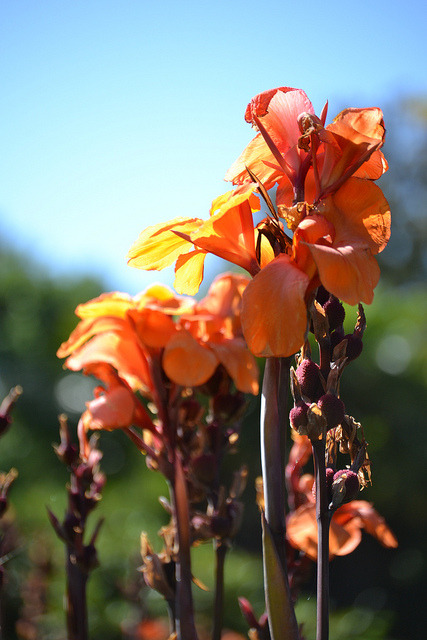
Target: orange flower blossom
{"type": "Point", "coordinates": [326, 195]}
{"type": "Point", "coordinates": [121, 339]}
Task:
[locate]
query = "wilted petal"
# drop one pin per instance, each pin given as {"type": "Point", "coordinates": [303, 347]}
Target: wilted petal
{"type": "Point", "coordinates": [274, 313]}
{"type": "Point", "coordinates": [374, 523]}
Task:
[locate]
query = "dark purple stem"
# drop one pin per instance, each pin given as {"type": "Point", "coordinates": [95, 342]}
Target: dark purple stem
{"type": "Point", "coordinates": [77, 621]}
{"type": "Point", "coordinates": [272, 446]}
{"type": "Point", "coordinates": [220, 553]}
{"type": "Point", "coordinates": [323, 517]}
{"type": "Point", "coordinates": [185, 627]}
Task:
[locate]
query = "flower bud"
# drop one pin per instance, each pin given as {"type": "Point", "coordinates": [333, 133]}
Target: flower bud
{"type": "Point", "coordinates": [354, 346]}
{"type": "Point", "coordinates": [308, 376]}
{"type": "Point", "coordinates": [332, 408]}
{"type": "Point", "coordinates": [345, 487]}
{"type": "Point", "coordinates": [298, 415]}
{"type": "Point", "coordinates": [335, 312]}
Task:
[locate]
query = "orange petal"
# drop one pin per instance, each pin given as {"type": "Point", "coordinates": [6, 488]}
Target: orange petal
{"type": "Point", "coordinates": [374, 523]}
{"type": "Point", "coordinates": [274, 313]}
{"type": "Point", "coordinates": [301, 530]}
{"type": "Point", "coordinates": [350, 273]}
{"type": "Point", "coordinates": [158, 246]}
{"type": "Point", "coordinates": [154, 328]}
{"type": "Point", "coordinates": [359, 211]}
{"type": "Point", "coordinates": [187, 362]}
{"type": "Point", "coordinates": [224, 296]}
{"type": "Point", "coordinates": [88, 328]}
{"type": "Point", "coordinates": [229, 233]}
{"type": "Point", "coordinates": [350, 141]}
{"type": "Point", "coordinates": [255, 156]}
{"type": "Point", "coordinates": [113, 409]}
{"type": "Point", "coordinates": [118, 351]}
{"type": "Point", "coordinates": [239, 363]}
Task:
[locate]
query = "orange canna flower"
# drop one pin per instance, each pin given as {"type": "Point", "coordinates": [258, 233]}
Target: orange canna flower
{"type": "Point", "coordinates": [345, 531]}
{"type": "Point", "coordinates": [189, 340]}
{"type": "Point", "coordinates": [337, 217]}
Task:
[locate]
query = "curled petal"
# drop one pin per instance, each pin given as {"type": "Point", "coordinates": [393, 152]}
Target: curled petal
{"type": "Point", "coordinates": [118, 351]}
{"type": "Point", "coordinates": [359, 212]}
{"type": "Point", "coordinates": [274, 313]}
{"type": "Point", "coordinates": [154, 328]}
{"type": "Point", "coordinates": [110, 410]}
{"type": "Point", "coordinates": [349, 143]}
{"type": "Point", "coordinates": [187, 362]}
{"type": "Point", "coordinates": [350, 273]}
{"type": "Point", "coordinates": [372, 522]}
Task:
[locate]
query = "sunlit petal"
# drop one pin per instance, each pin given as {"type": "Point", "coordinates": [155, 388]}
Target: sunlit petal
{"type": "Point", "coordinates": [274, 314]}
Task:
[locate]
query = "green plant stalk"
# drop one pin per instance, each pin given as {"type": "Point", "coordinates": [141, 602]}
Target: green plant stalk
{"type": "Point", "coordinates": [323, 518]}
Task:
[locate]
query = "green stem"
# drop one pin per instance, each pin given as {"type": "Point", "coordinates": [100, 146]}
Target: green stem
{"type": "Point", "coordinates": [323, 517]}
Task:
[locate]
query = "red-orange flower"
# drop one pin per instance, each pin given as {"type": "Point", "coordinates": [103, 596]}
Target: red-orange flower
{"type": "Point", "coordinates": [325, 193]}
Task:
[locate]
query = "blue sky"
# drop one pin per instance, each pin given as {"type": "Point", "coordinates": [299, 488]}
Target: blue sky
{"type": "Point", "coordinates": [117, 115]}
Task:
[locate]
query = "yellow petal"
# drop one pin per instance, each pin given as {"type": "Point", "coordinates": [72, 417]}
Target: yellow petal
{"type": "Point", "coordinates": [158, 246]}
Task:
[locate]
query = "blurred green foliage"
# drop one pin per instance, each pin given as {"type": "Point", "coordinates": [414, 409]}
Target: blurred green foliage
{"type": "Point", "coordinates": [373, 590]}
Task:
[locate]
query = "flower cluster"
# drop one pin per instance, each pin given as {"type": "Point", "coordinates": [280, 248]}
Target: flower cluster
{"type": "Point", "coordinates": [336, 216]}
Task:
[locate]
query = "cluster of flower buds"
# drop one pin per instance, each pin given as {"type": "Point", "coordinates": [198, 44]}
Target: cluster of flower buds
{"type": "Point", "coordinates": [318, 410]}
{"type": "Point", "coordinates": [84, 493]}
